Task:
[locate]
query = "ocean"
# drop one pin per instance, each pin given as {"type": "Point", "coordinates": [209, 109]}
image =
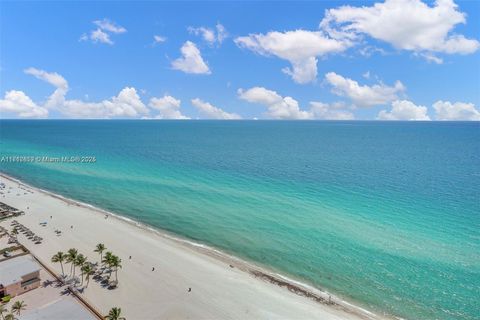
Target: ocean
{"type": "Point", "coordinates": [383, 214]}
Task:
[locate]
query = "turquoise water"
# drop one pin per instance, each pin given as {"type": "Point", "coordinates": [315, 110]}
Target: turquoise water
{"type": "Point", "coordinates": [383, 214]}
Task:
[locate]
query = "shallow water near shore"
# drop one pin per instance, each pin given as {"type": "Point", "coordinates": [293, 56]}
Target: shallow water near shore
{"type": "Point", "coordinates": [384, 214]}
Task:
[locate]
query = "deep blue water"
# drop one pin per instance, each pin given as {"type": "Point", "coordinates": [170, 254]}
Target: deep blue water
{"type": "Point", "coordinates": [386, 214]}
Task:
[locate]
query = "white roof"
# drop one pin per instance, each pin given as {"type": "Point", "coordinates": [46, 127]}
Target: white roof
{"type": "Point", "coordinates": [12, 270]}
{"type": "Point", "coordinates": [60, 310]}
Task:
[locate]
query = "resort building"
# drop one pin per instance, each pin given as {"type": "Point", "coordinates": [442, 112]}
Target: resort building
{"type": "Point", "coordinates": [18, 275]}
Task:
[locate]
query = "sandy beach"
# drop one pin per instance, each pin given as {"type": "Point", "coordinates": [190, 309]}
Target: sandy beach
{"type": "Point", "coordinates": [222, 287]}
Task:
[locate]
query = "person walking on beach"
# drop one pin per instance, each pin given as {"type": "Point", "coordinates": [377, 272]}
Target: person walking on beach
{"type": "Point", "coordinates": [153, 268]}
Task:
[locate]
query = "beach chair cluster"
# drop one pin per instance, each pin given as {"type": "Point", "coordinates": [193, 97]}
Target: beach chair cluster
{"type": "Point", "coordinates": [7, 211]}
{"type": "Point", "coordinates": [27, 232]}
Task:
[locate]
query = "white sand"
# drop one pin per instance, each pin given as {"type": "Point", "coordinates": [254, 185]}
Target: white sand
{"type": "Point", "coordinates": [218, 291]}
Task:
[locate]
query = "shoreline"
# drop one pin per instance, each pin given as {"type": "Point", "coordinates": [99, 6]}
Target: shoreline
{"type": "Point", "coordinates": [261, 274]}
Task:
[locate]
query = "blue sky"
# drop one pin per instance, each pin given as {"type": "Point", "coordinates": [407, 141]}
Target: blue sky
{"type": "Point", "coordinates": [368, 60]}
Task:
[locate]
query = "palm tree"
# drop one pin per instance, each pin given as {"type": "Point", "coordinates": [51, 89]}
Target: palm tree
{"type": "Point", "coordinates": [100, 248]}
{"type": "Point", "coordinates": [88, 270]}
{"type": "Point", "coordinates": [9, 316]}
{"type": "Point", "coordinates": [107, 262]}
{"type": "Point", "coordinates": [114, 314]}
{"type": "Point", "coordinates": [71, 256]}
{"type": "Point", "coordinates": [2, 311]}
{"type": "Point", "coordinates": [59, 257]}
{"type": "Point", "coordinates": [79, 261]}
{"type": "Point", "coordinates": [107, 258]}
{"type": "Point", "coordinates": [18, 306]}
{"type": "Point", "coordinates": [116, 262]}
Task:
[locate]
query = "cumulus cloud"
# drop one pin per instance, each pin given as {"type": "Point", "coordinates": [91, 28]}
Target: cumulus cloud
{"type": "Point", "coordinates": [407, 25]}
{"type": "Point", "coordinates": [212, 112]}
{"type": "Point", "coordinates": [278, 107]}
{"type": "Point", "coordinates": [363, 95]}
{"type": "Point", "coordinates": [19, 104]}
{"type": "Point", "coordinates": [105, 28]}
{"type": "Point", "coordinates": [191, 60]}
{"type": "Point", "coordinates": [404, 110]}
{"type": "Point", "coordinates": [445, 110]}
{"type": "Point", "coordinates": [168, 107]}
{"type": "Point", "coordinates": [324, 111]}
{"type": "Point", "coordinates": [126, 104]}
{"type": "Point", "coordinates": [300, 47]}
{"type": "Point", "coordinates": [56, 80]}
{"type": "Point", "coordinates": [210, 35]}
{"type": "Point", "coordinates": [287, 108]}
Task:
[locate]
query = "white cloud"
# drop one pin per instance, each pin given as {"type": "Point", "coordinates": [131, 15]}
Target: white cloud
{"type": "Point", "coordinates": [324, 111]}
{"type": "Point", "coordinates": [103, 32]}
{"type": "Point", "coordinates": [99, 36]}
{"type": "Point", "coordinates": [285, 108]}
{"type": "Point", "coordinates": [431, 58]}
{"type": "Point", "coordinates": [168, 107]}
{"type": "Point", "coordinates": [363, 96]}
{"type": "Point", "coordinates": [368, 51]}
{"type": "Point", "coordinates": [159, 39]}
{"type": "Point", "coordinates": [17, 102]}
{"type": "Point", "coordinates": [56, 80]}
{"type": "Point", "coordinates": [407, 24]}
{"type": "Point", "coordinates": [445, 110]}
{"type": "Point", "coordinates": [404, 110]}
{"type": "Point", "coordinates": [278, 106]}
{"type": "Point", "coordinates": [210, 35]}
{"type": "Point", "coordinates": [126, 104]}
{"type": "Point", "coordinates": [222, 33]}
{"type": "Point", "coordinates": [191, 60]}
{"type": "Point", "coordinates": [213, 112]}
{"type": "Point", "coordinates": [206, 33]}
{"type": "Point", "coordinates": [109, 26]}
{"type": "Point", "coordinates": [300, 47]}
{"type": "Point", "coordinates": [83, 37]}
{"type": "Point", "coordinates": [53, 78]}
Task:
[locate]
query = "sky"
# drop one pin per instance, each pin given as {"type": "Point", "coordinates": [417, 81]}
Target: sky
{"type": "Point", "coordinates": [303, 60]}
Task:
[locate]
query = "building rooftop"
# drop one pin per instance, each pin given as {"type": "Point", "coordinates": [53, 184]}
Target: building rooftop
{"type": "Point", "coordinates": [61, 309]}
{"type": "Point", "coordinates": [12, 270]}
